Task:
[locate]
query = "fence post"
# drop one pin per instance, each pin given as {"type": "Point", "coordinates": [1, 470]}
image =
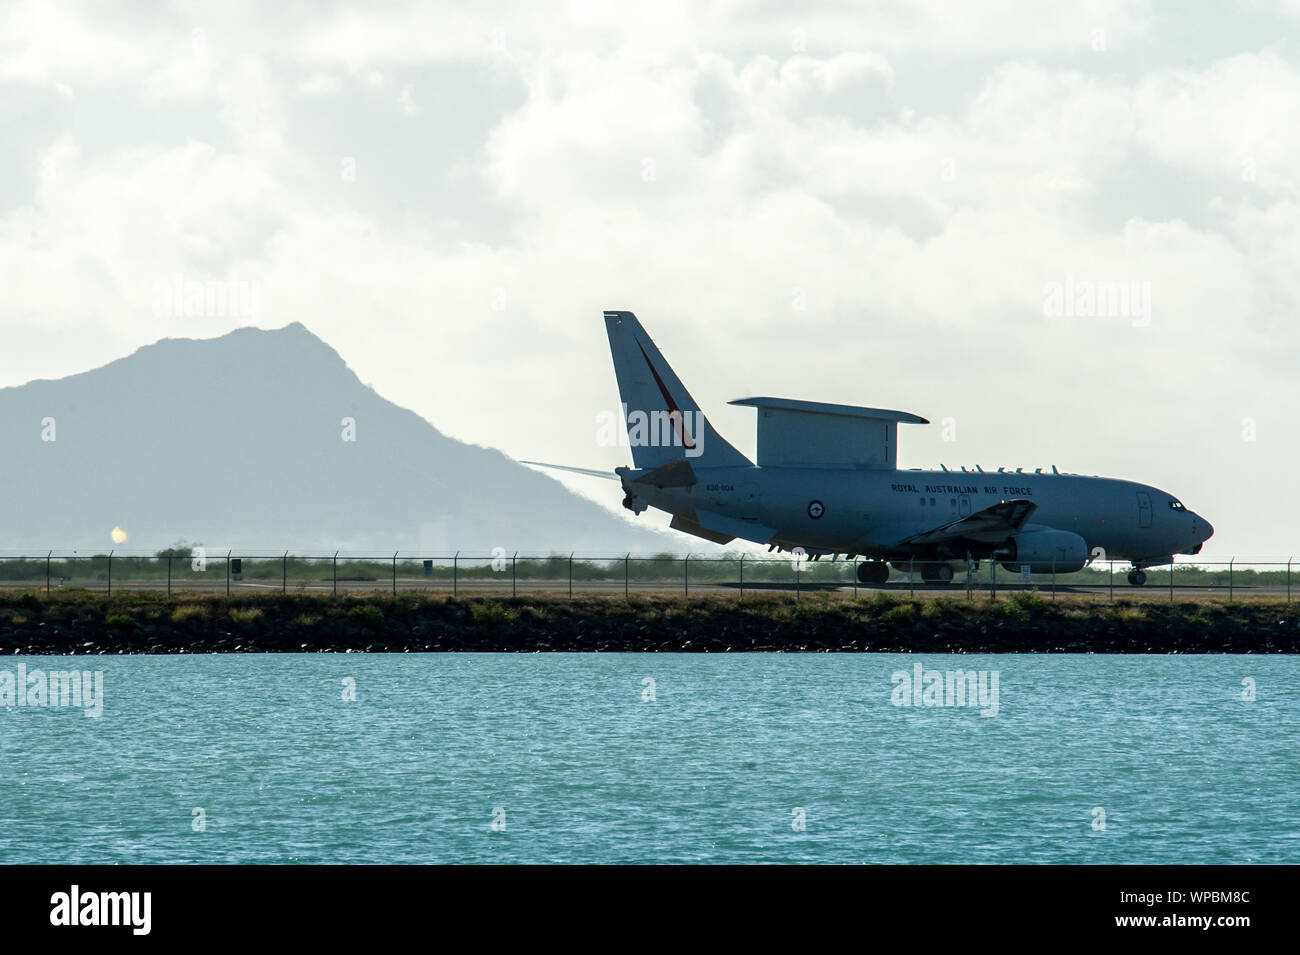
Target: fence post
{"type": "Point", "coordinates": [993, 583]}
{"type": "Point", "coordinates": [686, 576]}
{"type": "Point", "coordinates": [169, 575]}
{"type": "Point", "coordinates": [626, 558]}
{"type": "Point", "coordinates": [742, 574]}
{"type": "Point", "coordinates": [395, 553]}
{"type": "Point", "coordinates": [1230, 579]}
{"type": "Point", "coordinates": [1171, 581]}
{"type": "Point", "coordinates": [284, 573]}
{"type": "Point", "coordinates": [1288, 580]}
{"type": "Point", "coordinates": [110, 571]}
{"type": "Point", "coordinates": [336, 571]}
{"type": "Point", "coordinates": [228, 573]}
{"type": "Point", "coordinates": [513, 557]}
{"type": "Point", "coordinates": [1111, 581]}
{"type": "Point", "coordinates": [1053, 578]}
{"type": "Point", "coordinates": [570, 575]}
{"type": "Point", "coordinates": [455, 573]}
{"type": "Point", "coordinates": [855, 578]}
{"type": "Point", "coordinates": [911, 584]}
{"type": "Point", "coordinates": [169, 589]}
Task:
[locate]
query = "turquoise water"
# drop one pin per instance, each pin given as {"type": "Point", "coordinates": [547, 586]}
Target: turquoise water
{"type": "Point", "coordinates": [711, 770]}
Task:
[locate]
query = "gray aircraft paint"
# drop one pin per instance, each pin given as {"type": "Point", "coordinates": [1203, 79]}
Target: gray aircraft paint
{"type": "Point", "coordinates": [826, 481]}
{"type": "Point", "coordinates": [869, 511]}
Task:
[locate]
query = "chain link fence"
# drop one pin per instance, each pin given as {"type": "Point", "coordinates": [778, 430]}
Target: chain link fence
{"type": "Point", "coordinates": [574, 574]}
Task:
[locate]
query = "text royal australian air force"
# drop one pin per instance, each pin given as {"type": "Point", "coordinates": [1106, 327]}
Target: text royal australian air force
{"type": "Point", "coordinates": [1005, 489]}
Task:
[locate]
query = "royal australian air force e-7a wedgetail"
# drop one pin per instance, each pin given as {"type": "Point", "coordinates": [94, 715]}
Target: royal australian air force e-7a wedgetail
{"type": "Point", "coordinates": [826, 481]}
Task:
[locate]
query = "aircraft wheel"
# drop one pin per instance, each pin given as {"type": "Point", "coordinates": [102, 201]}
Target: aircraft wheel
{"type": "Point", "coordinates": [1137, 577]}
{"type": "Point", "coordinates": [873, 572]}
{"type": "Point", "coordinates": [936, 573]}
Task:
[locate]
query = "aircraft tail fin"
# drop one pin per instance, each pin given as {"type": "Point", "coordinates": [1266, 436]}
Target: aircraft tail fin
{"type": "Point", "coordinates": [663, 421]}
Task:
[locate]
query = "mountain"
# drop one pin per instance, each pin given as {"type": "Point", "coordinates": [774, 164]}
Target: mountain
{"type": "Point", "coordinates": [239, 442]}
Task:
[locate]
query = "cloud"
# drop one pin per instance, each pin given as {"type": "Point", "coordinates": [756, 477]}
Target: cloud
{"type": "Point", "coordinates": [839, 205]}
{"type": "Point", "coordinates": [1230, 123]}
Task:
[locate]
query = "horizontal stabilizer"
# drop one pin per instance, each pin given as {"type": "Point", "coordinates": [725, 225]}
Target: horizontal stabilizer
{"type": "Point", "coordinates": [591, 472]}
{"type": "Point", "coordinates": [989, 526]}
{"type": "Point", "coordinates": [677, 473]}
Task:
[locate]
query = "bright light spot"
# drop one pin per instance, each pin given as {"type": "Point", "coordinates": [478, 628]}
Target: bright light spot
{"type": "Point", "coordinates": [119, 535]}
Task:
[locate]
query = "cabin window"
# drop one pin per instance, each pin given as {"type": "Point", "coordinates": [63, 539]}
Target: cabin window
{"type": "Point", "coordinates": [1176, 505]}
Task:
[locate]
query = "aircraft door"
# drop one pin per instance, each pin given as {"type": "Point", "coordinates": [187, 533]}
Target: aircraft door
{"type": "Point", "coordinates": [1144, 509]}
{"type": "Point", "coordinates": [963, 505]}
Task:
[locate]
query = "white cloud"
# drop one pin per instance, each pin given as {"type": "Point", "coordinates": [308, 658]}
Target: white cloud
{"type": "Point", "coordinates": [707, 167]}
{"type": "Point", "coordinates": [1231, 123]}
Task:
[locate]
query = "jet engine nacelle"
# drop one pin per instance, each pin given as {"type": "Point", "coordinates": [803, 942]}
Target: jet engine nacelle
{"type": "Point", "coordinates": [1045, 550]}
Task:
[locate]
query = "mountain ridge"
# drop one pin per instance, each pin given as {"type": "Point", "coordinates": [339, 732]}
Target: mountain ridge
{"type": "Point", "coordinates": [267, 439]}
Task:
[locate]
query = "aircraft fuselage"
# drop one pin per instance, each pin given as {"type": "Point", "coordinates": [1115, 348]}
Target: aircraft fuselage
{"type": "Point", "coordinates": [871, 512]}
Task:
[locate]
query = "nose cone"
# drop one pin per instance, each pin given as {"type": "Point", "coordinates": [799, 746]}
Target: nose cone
{"type": "Point", "coordinates": [1202, 531]}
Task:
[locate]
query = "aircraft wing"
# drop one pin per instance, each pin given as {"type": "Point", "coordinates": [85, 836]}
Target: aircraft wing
{"type": "Point", "coordinates": [989, 526]}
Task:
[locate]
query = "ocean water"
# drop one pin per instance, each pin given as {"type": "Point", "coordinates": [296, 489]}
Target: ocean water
{"type": "Point", "coordinates": [735, 758]}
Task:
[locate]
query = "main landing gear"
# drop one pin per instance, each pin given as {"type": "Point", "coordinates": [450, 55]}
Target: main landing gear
{"type": "Point", "coordinates": [936, 573]}
{"type": "Point", "coordinates": [1137, 577]}
{"type": "Point", "coordinates": [873, 572]}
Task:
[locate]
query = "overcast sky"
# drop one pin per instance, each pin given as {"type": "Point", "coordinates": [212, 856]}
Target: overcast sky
{"type": "Point", "coordinates": [874, 204]}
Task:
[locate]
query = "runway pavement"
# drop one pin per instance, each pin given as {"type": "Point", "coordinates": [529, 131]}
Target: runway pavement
{"type": "Point", "coordinates": [612, 588]}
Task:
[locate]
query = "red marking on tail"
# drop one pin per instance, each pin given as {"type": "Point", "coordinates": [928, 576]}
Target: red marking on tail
{"type": "Point", "coordinates": [668, 400]}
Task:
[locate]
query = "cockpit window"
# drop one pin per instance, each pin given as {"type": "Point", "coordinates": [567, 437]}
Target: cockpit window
{"type": "Point", "coordinates": [1176, 505]}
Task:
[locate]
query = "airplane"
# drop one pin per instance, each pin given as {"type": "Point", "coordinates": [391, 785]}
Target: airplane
{"type": "Point", "coordinates": [826, 481]}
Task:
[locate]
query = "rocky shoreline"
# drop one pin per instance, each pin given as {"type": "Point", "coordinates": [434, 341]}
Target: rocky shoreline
{"type": "Point", "coordinates": [296, 623]}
